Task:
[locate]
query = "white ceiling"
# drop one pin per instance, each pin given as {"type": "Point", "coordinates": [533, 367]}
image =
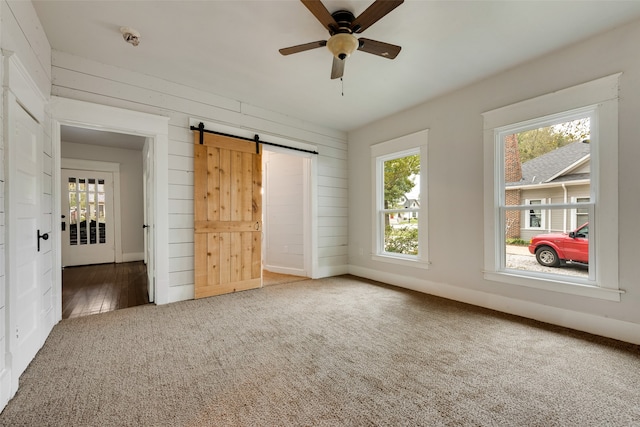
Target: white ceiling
{"type": "Point", "coordinates": [230, 48]}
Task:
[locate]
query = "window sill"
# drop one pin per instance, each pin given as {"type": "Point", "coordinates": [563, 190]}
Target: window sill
{"type": "Point", "coordinates": [555, 285]}
{"type": "Point", "coordinates": [408, 262]}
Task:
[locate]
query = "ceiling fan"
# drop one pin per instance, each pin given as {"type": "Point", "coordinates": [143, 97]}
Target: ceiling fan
{"type": "Point", "coordinates": [342, 24]}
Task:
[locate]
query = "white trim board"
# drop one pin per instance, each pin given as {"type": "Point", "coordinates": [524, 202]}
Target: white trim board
{"type": "Point", "coordinates": [597, 325]}
{"type": "Point", "coordinates": [87, 115]}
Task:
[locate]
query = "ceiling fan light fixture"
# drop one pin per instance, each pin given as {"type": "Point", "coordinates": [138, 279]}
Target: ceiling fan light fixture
{"type": "Point", "coordinates": [342, 45]}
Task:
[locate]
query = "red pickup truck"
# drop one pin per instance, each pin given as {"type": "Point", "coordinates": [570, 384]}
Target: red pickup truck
{"type": "Point", "coordinates": [555, 249]}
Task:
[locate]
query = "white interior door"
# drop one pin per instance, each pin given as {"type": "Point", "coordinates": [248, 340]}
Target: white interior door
{"type": "Point", "coordinates": [148, 217]}
{"type": "Point", "coordinates": [88, 226]}
{"type": "Point", "coordinates": [25, 222]}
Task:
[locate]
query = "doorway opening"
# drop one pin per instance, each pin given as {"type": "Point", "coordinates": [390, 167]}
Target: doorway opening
{"type": "Point", "coordinates": [102, 221]}
{"type": "Point", "coordinates": [286, 216]}
{"type": "Point", "coordinates": [289, 250]}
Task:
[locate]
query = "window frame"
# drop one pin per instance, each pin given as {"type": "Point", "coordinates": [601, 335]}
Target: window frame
{"type": "Point", "coordinates": [415, 143]}
{"type": "Point", "coordinates": [527, 214]}
{"type": "Point", "coordinates": [575, 214]}
{"type": "Point", "coordinates": [599, 100]}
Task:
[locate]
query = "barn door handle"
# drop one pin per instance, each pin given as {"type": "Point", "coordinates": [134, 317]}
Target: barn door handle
{"type": "Point", "coordinates": [257, 225]}
{"type": "Point", "coordinates": [44, 236]}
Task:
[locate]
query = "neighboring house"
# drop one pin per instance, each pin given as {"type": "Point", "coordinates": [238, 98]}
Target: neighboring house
{"type": "Point", "coordinates": [408, 203]}
{"type": "Point", "coordinates": [559, 176]}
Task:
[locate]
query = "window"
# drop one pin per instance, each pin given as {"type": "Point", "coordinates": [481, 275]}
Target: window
{"type": "Point", "coordinates": [557, 152]}
{"type": "Point", "coordinates": [534, 218]}
{"type": "Point", "coordinates": [581, 214]}
{"type": "Point", "coordinates": [399, 178]}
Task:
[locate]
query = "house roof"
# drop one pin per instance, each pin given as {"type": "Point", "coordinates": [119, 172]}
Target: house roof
{"type": "Point", "coordinates": [555, 166]}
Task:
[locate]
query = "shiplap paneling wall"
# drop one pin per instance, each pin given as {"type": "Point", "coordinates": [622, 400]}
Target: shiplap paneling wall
{"type": "Point", "coordinates": [78, 78]}
{"type": "Point", "coordinates": [22, 35]}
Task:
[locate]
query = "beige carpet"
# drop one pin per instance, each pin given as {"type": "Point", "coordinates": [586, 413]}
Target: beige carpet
{"type": "Point", "coordinates": [332, 352]}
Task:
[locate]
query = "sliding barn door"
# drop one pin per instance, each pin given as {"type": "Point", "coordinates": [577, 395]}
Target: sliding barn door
{"type": "Point", "coordinates": [228, 215]}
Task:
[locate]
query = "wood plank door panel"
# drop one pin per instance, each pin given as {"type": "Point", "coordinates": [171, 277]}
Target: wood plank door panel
{"type": "Point", "coordinates": [227, 215]}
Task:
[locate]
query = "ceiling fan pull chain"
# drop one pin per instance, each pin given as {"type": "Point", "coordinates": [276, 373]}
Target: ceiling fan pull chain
{"type": "Point", "coordinates": [342, 83]}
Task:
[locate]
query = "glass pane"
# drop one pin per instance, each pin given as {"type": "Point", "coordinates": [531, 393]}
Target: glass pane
{"type": "Point", "coordinates": [553, 156]}
{"type": "Point", "coordinates": [561, 248]}
{"type": "Point", "coordinates": [103, 232]}
{"type": "Point", "coordinates": [100, 214]}
{"type": "Point", "coordinates": [401, 233]}
{"type": "Point", "coordinates": [73, 211]}
{"type": "Point", "coordinates": [402, 183]}
{"type": "Point", "coordinates": [83, 232]}
{"type": "Point", "coordinates": [92, 232]}
{"type": "Point", "coordinates": [534, 216]}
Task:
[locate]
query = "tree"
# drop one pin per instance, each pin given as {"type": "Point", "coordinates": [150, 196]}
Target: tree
{"type": "Point", "coordinates": [398, 175]}
{"type": "Point", "coordinates": [536, 142]}
{"type": "Point", "coordinates": [397, 178]}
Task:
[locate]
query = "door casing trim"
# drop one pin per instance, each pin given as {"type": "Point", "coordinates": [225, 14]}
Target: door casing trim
{"type": "Point", "coordinates": [71, 112]}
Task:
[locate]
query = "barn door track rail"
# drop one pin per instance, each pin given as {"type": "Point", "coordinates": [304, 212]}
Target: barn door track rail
{"type": "Point", "coordinates": [200, 128]}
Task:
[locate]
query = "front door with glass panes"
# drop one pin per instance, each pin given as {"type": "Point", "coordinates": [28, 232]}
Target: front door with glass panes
{"type": "Point", "coordinates": [87, 217]}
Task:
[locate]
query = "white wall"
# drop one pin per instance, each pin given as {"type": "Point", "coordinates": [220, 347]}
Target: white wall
{"type": "Point", "coordinates": [455, 174]}
{"type": "Point", "coordinates": [131, 196]}
{"type": "Point", "coordinates": [85, 80]}
{"type": "Point", "coordinates": [21, 34]}
{"type": "Point", "coordinates": [283, 213]}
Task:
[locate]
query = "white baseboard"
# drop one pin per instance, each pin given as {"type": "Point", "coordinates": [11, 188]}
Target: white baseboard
{"type": "Point", "coordinates": [181, 293]}
{"type": "Point", "coordinates": [329, 271]}
{"type": "Point", "coordinates": [133, 256]}
{"type": "Point", "coordinates": [286, 270]}
{"type": "Point", "coordinates": [597, 325]}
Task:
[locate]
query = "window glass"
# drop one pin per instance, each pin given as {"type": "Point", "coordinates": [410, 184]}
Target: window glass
{"type": "Point", "coordinates": [560, 148]}
{"type": "Point", "coordinates": [400, 215]}
{"type": "Point", "coordinates": [401, 186]}
{"type": "Point", "coordinates": [546, 166]}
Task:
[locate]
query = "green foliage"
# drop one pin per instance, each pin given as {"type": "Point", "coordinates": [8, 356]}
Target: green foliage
{"type": "Point", "coordinates": [536, 142]}
{"type": "Point", "coordinates": [517, 242]}
{"type": "Point", "coordinates": [397, 174]}
{"type": "Point", "coordinates": [401, 240]}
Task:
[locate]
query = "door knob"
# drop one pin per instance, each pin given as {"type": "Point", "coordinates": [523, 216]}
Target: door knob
{"type": "Point", "coordinates": [44, 236]}
{"type": "Point", "coordinates": [145, 226]}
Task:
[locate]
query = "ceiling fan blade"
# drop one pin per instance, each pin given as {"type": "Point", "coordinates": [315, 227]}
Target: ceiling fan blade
{"type": "Point", "coordinates": [302, 47]}
{"type": "Point", "coordinates": [322, 14]}
{"type": "Point", "coordinates": [375, 47]}
{"type": "Point", "coordinates": [337, 69]}
{"type": "Point", "coordinates": [373, 14]}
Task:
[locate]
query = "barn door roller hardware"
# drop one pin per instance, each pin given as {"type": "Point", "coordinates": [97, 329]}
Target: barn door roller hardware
{"type": "Point", "coordinates": [200, 128]}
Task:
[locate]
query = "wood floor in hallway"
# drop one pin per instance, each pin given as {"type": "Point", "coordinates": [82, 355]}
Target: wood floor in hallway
{"type": "Point", "coordinates": [93, 289]}
{"type": "Point", "coordinates": [99, 288]}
